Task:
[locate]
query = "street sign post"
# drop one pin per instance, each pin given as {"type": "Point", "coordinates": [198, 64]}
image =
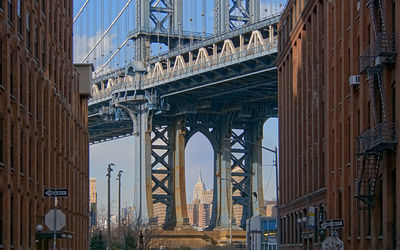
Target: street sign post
{"type": "Point", "coordinates": [332, 243]}
{"type": "Point", "coordinates": [337, 223]}
{"type": "Point", "coordinates": [55, 192]}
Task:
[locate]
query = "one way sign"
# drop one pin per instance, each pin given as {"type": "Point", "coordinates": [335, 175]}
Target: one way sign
{"type": "Point", "coordinates": [59, 192]}
{"type": "Point", "coordinates": [331, 224]}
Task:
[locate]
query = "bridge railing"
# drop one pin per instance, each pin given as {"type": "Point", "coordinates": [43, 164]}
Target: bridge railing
{"type": "Point", "coordinates": [220, 61]}
{"type": "Point", "coordinates": [269, 45]}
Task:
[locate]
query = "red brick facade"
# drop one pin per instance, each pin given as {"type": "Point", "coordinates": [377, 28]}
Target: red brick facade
{"type": "Point", "coordinates": [321, 115]}
{"type": "Point", "coordinates": [43, 123]}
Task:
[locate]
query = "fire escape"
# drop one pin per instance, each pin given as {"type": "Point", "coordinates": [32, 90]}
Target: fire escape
{"type": "Point", "coordinates": [373, 143]}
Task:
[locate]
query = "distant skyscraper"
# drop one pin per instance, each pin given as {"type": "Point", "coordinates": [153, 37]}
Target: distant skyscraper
{"type": "Point", "coordinates": [270, 208]}
{"type": "Point", "coordinates": [93, 192]}
{"type": "Point", "coordinates": [199, 211]}
{"type": "Point", "coordinates": [199, 188]}
{"type": "Point", "coordinates": [93, 202]}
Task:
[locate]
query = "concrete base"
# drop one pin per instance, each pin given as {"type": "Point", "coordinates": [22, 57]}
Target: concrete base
{"type": "Point", "coordinates": [196, 239]}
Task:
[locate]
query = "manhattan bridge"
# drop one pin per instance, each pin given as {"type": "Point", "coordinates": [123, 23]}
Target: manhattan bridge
{"type": "Point", "coordinates": [221, 83]}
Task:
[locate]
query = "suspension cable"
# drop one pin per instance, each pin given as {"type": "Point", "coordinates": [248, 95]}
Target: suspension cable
{"type": "Point", "coordinates": [113, 55]}
{"type": "Point", "coordinates": [105, 33]}
{"type": "Point", "coordinates": [80, 11]}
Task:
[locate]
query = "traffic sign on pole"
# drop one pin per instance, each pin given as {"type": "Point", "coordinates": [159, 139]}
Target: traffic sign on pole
{"type": "Point", "coordinates": [332, 243]}
{"type": "Point", "coordinates": [338, 223]}
{"type": "Point", "coordinates": [59, 192]}
{"type": "Point", "coordinates": [49, 220]}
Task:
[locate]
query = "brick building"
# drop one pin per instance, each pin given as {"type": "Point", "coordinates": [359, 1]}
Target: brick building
{"type": "Point", "coordinates": [337, 74]}
{"type": "Point", "coordinates": [43, 123]}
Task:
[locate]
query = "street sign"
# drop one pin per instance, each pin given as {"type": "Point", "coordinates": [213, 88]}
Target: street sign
{"type": "Point", "coordinates": [311, 217]}
{"type": "Point", "coordinates": [51, 192]}
{"type": "Point", "coordinates": [60, 220]}
{"type": "Point", "coordinates": [331, 243]}
{"type": "Point", "coordinates": [331, 224]}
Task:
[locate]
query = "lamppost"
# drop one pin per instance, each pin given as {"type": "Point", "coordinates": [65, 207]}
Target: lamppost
{"type": "Point", "coordinates": [303, 229]}
{"type": "Point", "coordinates": [109, 169]}
{"type": "Point", "coordinates": [231, 207]}
{"type": "Point", "coordinates": [119, 197]}
{"type": "Point", "coordinates": [275, 152]}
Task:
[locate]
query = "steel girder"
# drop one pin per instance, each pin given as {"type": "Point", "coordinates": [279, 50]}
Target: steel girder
{"type": "Point", "coordinates": [162, 148]}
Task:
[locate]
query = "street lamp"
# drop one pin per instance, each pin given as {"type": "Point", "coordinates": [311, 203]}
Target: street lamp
{"type": "Point", "coordinates": [109, 169]}
{"type": "Point", "coordinates": [231, 207]}
{"type": "Point", "coordinates": [303, 229]}
{"type": "Point", "coordinates": [119, 197]}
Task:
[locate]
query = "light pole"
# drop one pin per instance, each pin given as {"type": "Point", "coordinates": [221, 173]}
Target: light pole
{"type": "Point", "coordinates": [231, 207]}
{"type": "Point", "coordinates": [275, 152]}
{"type": "Point", "coordinates": [119, 197]}
{"type": "Point", "coordinates": [303, 230]}
{"type": "Point", "coordinates": [109, 169]}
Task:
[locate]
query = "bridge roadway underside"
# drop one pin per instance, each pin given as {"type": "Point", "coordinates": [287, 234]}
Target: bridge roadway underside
{"type": "Point", "coordinates": [240, 88]}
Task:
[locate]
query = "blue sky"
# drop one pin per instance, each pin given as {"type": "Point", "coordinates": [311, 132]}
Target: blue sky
{"type": "Point", "coordinates": [88, 28]}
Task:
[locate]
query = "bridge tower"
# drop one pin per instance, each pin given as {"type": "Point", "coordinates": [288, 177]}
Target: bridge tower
{"type": "Point", "coordinates": [230, 17]}
{"type": "Point", "coordinates": [159, 22]}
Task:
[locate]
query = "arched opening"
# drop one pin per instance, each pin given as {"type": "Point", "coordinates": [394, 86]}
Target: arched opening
{"type": "Point", "coordinates": [199, 177]}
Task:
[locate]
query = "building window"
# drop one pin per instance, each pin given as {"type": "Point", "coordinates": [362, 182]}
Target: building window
{"type": "Point", "coordinates": [36, 41]}
{"type": "Point", "coordinates": [30, 160]}
{"type": "Point", "coordinates": [44, 53]}
{"type": "Point", "coordinates": [1, 141]}
{"type": "Point", "coordinates": [21, 214]}
{"type": "Point", "coordinates": [21, 152]}
{"type": "Point", "coordinates": [30, 94]}
{"type": "Point", "coordinates": [12, 146]}
{"type": "Point", "coordinates": [30, 221]}
{"type": "Point", "coordinates": [12, 220]}
{"type": "Point", "coordinates": [43, 7]}
{"type": "Point", "coordinates": [10, 11]}
{"type": "Point", "coordinates": [394, 207]}
{"type": "Point", "coordinates": [1, 61]}
{"type": "Point", "coordinates": [1, 217]}
{"type": "Point", "coordinates": [11, 74]}
{"type": "Point", "coordinates": [19, 17]}
{"type": "Point", "coordinates": [380, 204]}
{"type": "Point", "coordinates": [393, 102]}
{"type": "Point", "coordinates": [369, 221]}
{"type": "Point", "coordinates": [37, 162]}
{"type": "Point", "coordinates": [21, 84]}
{"type": "Point", "coordinates": [349, 208]}
{"type": "Point", "coordinates": [28, 30]}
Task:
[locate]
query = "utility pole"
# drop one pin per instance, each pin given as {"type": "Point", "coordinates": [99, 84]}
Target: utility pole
{"type": "Point", "coordinates": [119, 197]}
{"type": "Point", "coordinates": [275, 152]}
{"type": "Point", "coordinates": [109, 169]}
{"type": "Point", "coordinates": [231, 215]}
